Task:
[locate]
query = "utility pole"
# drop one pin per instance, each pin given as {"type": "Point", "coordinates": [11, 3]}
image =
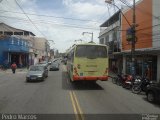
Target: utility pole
{"type": "Point", "coordinates": [133, 39]}
{"type": "Point", "coordinates": [133, 35]}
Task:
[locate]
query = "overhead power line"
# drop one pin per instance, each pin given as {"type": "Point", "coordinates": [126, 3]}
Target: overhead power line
{"type": "Point", "coordinates": [148, 27]}
{"type": "Point", "coordinates": [50, 16]}
{"type": "Point", "coordinates": [41, 21]}
{"type": "Point", "coordinates": [141, 10]}
{"type": "Point", "coordinates": [29, 18]}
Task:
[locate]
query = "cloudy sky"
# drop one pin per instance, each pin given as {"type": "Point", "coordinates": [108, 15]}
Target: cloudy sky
{"type": "Point", "coordinates": [62, 21]}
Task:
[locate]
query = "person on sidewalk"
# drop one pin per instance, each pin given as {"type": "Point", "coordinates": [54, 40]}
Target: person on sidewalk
{"type": "Point", "coordinates": [13, 67]}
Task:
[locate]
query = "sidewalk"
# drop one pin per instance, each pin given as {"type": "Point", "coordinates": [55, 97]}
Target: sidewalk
{"type": "Point", "coordinates": [18, 70]}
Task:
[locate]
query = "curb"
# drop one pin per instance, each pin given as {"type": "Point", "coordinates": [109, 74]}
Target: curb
{"type": "Point", "coordinates": [17, 71]}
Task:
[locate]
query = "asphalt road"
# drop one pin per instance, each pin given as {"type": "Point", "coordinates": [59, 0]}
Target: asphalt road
{"type": "Point", "coordinates": [56, 95]}
{"type": "Point", "coordinates": [17, 96]}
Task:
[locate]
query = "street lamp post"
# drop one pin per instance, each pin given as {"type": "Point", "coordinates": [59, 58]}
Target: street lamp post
{"type": "Point", "coordinates": [110, 2]}
{"type": "Point", "coordinates": [89, 33]}
{"type": "Point", "coordinates": [133, 27]}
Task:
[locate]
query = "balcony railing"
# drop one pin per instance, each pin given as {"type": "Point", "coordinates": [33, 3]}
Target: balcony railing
{"type": "Point", "coordinates": [106, 30]}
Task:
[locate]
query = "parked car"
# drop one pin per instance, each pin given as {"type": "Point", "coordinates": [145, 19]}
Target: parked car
{"type": "Point", "coordinates": [37, 72]}
{"type": "Point", "coordinates": [56, 60]}
{"type": "Point", "coordinates": [54, 66]}
{"type": "Point", "coordinates": [153, 92]}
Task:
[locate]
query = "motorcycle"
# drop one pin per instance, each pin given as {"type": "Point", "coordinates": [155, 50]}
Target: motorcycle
{"type": "Point", "coordinates": [114, 80]}
{"type": "Point", "coordinates": [118, 79]}
{"type": "Point", "coordinates": [121, 79]}
{"type": "Point", "coordinates": [141, 85]}
{"type": "Point", "coordinates": [131, 81]}
{"type": "Point", "coordinates": [125, 81]}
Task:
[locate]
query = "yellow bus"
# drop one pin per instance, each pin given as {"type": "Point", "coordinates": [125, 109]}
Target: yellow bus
{"type": "Point", "coordinates": [88, 62]}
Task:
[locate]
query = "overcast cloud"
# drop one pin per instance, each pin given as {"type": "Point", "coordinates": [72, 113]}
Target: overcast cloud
{"type": "Point", "coordinates": [91, 14]}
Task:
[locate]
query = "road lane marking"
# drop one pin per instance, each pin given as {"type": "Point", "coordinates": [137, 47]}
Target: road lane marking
{"type": "Point", "coordinates": [79, 108]}
{"type": "Point", "coordinates": [76, 107]}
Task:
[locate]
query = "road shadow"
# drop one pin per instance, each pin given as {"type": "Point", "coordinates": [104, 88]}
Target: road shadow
{"type": "Point", "coordinates": [156, 104]}
{"type": "Point", "coordinates": [78, 85]}
{"type": "Point", "coordinates": [36, 81]}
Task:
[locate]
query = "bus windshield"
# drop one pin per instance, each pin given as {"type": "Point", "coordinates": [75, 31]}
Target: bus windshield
{"type": "Point", "coordinates": [91, 51]}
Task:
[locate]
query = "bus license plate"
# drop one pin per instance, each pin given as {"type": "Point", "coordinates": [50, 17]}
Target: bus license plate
{"type": "Point", "coordinates": [33, 78]}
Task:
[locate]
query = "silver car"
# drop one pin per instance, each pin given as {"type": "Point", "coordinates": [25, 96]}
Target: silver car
{"type": "Point", "coordinates": [37, 72]}
{"type": "Point", "coordinates": [54, 66]}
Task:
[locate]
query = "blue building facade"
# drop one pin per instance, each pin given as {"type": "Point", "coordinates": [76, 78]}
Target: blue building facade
{"type": "Point", "coordinates": [14, 49]}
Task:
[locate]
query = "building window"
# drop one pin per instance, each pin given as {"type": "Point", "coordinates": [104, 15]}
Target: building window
{"type": "Point", "coordinates": [114, 35]}
{"type": "Point", "coordinates": [18, 33]}
{"type": "Point", "coordinates": [102, 41]}
{"type": "Point", "coordinates": [1, 33]}
{"type": "Point", "coordinates": [22, 42]}
{"type": "Point", "coordinates": [107, 40]}
{"type": "Point", "coordinates": [12, 40]}
{"type": "Point", "coordinates": [18, 41]}
{"type": "Point", "coordinates": [15, 41]}
{"type": "Point", "coordinates": [8, 33]}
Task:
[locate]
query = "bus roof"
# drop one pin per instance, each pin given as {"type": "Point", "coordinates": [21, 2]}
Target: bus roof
{"type": "Point", "coordinates": [89, 43]}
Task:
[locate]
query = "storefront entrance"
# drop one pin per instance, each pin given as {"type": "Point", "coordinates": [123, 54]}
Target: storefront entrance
{"type": "Point", "coordinates": [143, 64]}
{"type": "Point", "coordinates": [21, 59]}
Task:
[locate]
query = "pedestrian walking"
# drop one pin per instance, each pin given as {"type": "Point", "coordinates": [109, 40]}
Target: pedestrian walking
{"type": "Point", "coordinates": [13, 67]}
